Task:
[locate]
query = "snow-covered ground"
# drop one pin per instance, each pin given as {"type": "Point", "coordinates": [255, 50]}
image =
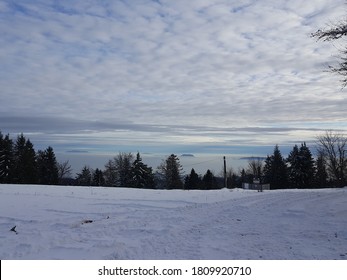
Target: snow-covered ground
{"type": "Point", "coordinates": [56, 222]}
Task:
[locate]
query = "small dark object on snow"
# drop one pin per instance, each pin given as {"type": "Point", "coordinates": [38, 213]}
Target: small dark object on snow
{"type": "Point", "coordinates": [87, 222]}
{"type": "Point", "coordinates": [14, 230]}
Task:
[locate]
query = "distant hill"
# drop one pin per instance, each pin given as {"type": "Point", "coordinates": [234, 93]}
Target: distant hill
{"type": "Point", "coordinates": [253, 158]}
{"type": "Point", "coordinates": [187, 155]}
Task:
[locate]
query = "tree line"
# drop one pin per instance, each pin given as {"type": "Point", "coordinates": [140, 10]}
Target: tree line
{"type": "Point", "coordinates": [125, 170]}
{"type": "Point", "coordinates": [300, 169]}
{"type": "Point", "coordinates": [21, 164]}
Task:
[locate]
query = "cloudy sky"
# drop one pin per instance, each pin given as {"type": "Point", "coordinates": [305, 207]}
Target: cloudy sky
{"type": "Point", "coordinates": [168, 76]}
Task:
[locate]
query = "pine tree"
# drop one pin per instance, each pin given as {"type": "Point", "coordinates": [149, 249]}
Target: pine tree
{"type": "Point", "coordinates": [85, 177]}
{"type": "Point", "coordinates": [307, 165]}
{"type": "Point", "coordinates": [295, 175]}
{"type": "Point", "coordinates": [192, 181]}
{"type": "Point", "coordinates": [19, 161]}
{"type": "Point", "coordinates": [6, 159]}
{"type": "Point", "coordinates": [321, 178]}
{"type": "Point", "coordinates": [301, 167]}
{"type": "Point", "coordinates": [25, 171]}
{"type": "Point", "coordinates": [98, 178]}
{"type": "Point", "coordinates": [275, 170]}
{"type": "Point", "coordinates": [171, 170]}
{"type": "Point", "coordinates": [142, 175]}
{"type": "Point", "coordinates": [47, 167]}
{"type": "Point", "coordinates": [209, 180]}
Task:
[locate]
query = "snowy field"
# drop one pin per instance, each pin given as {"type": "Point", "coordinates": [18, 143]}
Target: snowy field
{"type": "Point", "coordinates": [56, 222]}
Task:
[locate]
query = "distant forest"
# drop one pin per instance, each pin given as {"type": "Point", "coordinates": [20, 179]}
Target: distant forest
{"type": "Point", "coordinates": [21, 164]}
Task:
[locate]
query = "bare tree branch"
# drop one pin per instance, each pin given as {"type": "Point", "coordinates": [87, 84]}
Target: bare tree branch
{"type": "Point", "coordinates": [332, 146]}
{"type": "Point", "coordinates": [64, 170]}
{"type": "Point", "coordinates": [341, 68]}
{"type": "Point", "coordinates": [334, 33]}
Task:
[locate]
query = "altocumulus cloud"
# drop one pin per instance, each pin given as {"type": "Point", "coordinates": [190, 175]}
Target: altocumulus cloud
{"type": "Point", "coordinates": [166, 73]}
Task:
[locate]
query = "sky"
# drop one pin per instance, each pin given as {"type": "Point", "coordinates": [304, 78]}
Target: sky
{"type": "Point", "coordinates": [160, 77]}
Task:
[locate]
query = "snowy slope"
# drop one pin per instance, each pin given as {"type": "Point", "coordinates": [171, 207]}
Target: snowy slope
{"type": "Point", "coordinates": [55, 222]}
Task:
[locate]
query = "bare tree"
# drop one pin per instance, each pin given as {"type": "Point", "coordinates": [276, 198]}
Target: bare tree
{"type": "Point", "coordinates": [332, 146]}
{"type": "Point", "coordinates": [335, 32]}
{"type": "Point", "coordinates": [118, 170]}
{"type": "Point", "coordinates": [255, 167]}
{"type": "Point", "coordinates": [64, 170]}
{"type": "Point", "coordinates": [123, 163]}
{"type": "Point", "coordinates": [110, 173]}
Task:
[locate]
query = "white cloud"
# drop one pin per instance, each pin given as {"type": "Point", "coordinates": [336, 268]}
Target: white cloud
{"type": "Point", "coordinates": [162, 63]}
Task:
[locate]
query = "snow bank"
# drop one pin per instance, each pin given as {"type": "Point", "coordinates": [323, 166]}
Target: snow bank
{"type": "Point", "coordinates": [58, 222]}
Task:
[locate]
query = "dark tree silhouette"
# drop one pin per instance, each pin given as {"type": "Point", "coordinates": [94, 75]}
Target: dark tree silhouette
{"type": "Point", "coordinates": [333, 148]}
{"type": "Point", "coordinates": [171, 170]}
{"type": "Point", "coordinates": [275, 170]}
{"type": "Point", "coordinates": [64, 170]}
{"type": "Point", "coordinates": [192, 181]}
{"type": "Point", "coordinates": [25, 170]}
{"type": "Point", "coordinates": [47, 167]}
{"type": "Point", "coordinates": [141, 174]}
{"type": "Point", "coordinates": [6, 159]}
{"type": "Point", "coordinates": [335, 32]}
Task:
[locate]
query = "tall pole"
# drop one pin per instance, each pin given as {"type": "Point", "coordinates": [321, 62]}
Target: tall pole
{"type": "Point", "coordinates": [225, 173]}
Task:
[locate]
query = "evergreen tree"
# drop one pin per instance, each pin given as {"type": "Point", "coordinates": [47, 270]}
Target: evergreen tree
{"type": "Point", "coordinates": [275, 170]}
{"type": "Point", "coordinates": [142, 175]}
{"type": "Point", "coordinates": [171, 170]}
{"type": "Point", "coordinates": [307, 165]}
{"type": "Point", "coordinates": [19, 160]}
{"type": "Point", "coordinates": [6, 159]}
{"type": "Point", "coordinates": [25, 171]}
{"type": "Point", "coordinates": [321, 175]}
{"type": "Point", "coordinates": [98, 178]}
{"type": "Point", "coordinates": [85, 177]}
{"type": "Point", "coordinates": [295, 174]}
{"type": "Point", "coordinates": [301, 167]}
{"type": "Point", "coordinates": [209, 180]}
{"type": "Point", "coordinates": [47, 167]}
{"type": "Point", "coordinates": [192, 181]}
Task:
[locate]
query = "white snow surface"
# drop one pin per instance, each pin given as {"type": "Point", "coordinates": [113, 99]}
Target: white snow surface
{"type": "Point", "coordinates": [68, 222]}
